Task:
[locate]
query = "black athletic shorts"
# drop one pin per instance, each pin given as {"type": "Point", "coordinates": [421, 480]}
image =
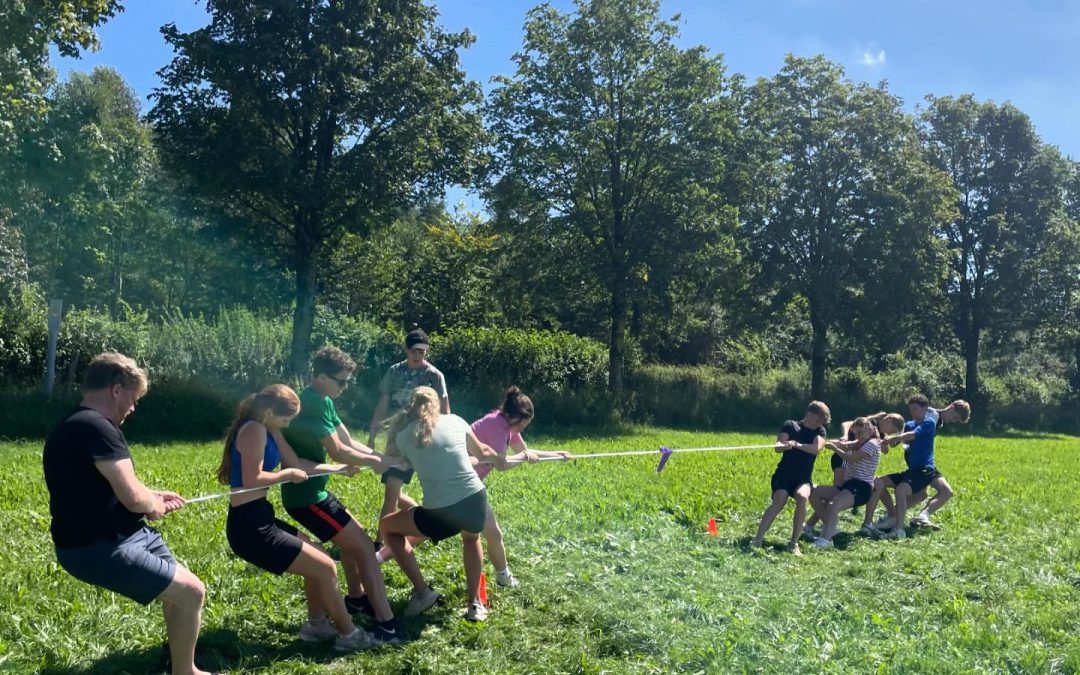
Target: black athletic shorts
{"type": "Point", "coordinates": [324, 519]}
{"type": "Point", "coordinates": [468, 515]}
{"type": "Point", "coordinates": [859, 489]}
{"type": "Point", "coordinates": [789, 482]}
{"type": "Point", "coordinates": [258, 537]}
{"type": "Point", "coordinates": [404, 475]}
{"type": "Point", "coordinates": [918, 479]}
{"type": "Point", "coordinates": [836, 462]}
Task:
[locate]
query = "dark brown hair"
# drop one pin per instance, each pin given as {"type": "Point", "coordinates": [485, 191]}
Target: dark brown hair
{"type": "Point", "coordinates": [331, 361]}
{"type": "Point", "coordinates": [516, 406]}
{"type": "Point", "coordinates": [114, 368]}
{"type": "Point", "coordinates": [919, 399]}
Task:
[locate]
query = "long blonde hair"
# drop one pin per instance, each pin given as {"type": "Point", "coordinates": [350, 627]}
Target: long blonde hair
{"type": "Point", "coordinates": [276, 399]}
{"type": "Point", "coordinates": [423, 408]}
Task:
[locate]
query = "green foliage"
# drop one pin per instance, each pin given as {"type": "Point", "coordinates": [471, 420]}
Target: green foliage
{"type": "Point", "coordinates": [618, 574]}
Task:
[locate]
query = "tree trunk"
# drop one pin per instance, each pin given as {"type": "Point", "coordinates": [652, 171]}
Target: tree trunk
{"type": "Point", "coordinates": [618, 334]}
{"type": "Point", "coordinates": [817, 355]}
{"type": "Point", "coordinates": [304, 312]}
{"type": "Point", "coordinates": [971, 357]}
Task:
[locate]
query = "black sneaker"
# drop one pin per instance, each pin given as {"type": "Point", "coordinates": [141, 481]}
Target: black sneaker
{"type": "Point", "coordinates": [360, 605]}
{"type": "Point", "coordinates": [388, 633]}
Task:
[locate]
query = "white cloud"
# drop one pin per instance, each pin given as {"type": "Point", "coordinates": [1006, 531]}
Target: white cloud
{"type": "Point", "coordinates": [869, 58]}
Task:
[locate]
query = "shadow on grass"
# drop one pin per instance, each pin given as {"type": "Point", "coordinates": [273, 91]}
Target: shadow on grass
{"type": "Point", "coordinates": [225, 650]}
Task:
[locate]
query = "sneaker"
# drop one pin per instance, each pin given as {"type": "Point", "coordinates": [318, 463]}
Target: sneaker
{"type": "Point", "coordinates": [358, 641]}
{"type": "Point", "coordinates": [359, 605]}
{"type": "Point", "coordinates": [476, 612]}
{"type": "Point", "coordinates": [869, 531]}
{"type": "Point", "coordinates": [921, 520]}
{"type": "Point", "coordinates": [317, 632]}
{"type": "Point", "coordinates": [885, 523]}
{"type": "Point", "coordinates": [421, 601]}
{"type": "Point", "coordinates": [388, 633]}
{"type": "Point", "coordinates": [808, 533]}
{"type": "Point", "coordinates": [821, 543]}
{"type": "Point", "coordinates": [897, 533]}
{"type": "Point", "coordinates": [795, 551]}
{"type": "Point", "coordinates": [506, 579]}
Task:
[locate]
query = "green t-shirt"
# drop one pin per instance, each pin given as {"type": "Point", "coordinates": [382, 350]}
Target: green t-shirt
{"type": "Point", "coordinates": [318, 419]}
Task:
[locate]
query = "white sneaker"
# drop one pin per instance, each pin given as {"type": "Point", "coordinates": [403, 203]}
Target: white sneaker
{"type": "Point", "coordinates": [317, 632]}
{"type": "Point", "coordinates": [885, 523]}
{"type": "Point", "coordinates": [506, 579]}
{"type": "Point", "coordinates": [822, 543]}
{"type": "Point", "coordinates": [921, 520]}
{"type": "Point", "coordinates": [897, 533]}
{"type": "Point", "coordinates": [808, 533]}
{"type": "Point", "coordinates": [359, 641]}
{"type": "Point", "coordinates": [421, 601]}
{"type": "Point", "coordinates": [476, 612]}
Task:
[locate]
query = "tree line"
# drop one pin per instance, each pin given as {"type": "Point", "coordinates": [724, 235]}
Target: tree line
{"type": "Point", "coordinates": [296, 153]}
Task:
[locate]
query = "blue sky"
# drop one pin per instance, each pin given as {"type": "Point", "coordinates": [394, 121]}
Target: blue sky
{"type": "Point", "coordinates": [1023, 51]}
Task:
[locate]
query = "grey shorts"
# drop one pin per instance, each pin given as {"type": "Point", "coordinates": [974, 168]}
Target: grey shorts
{"type": "Point", "coordinates": [139, 567]}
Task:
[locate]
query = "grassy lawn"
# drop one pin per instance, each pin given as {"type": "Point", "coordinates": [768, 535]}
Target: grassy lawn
{"type": "Point", "coordinates": [618, 573]}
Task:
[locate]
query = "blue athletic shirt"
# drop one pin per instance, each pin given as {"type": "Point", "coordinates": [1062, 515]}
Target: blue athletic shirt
{"type": "Point", "coordinates": [920, 452]}
{"type": "Point", "coordinates": [271, 458]}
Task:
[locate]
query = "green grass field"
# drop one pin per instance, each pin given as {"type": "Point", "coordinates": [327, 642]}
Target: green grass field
{"type": "Point", "coordinates": [618, 573]}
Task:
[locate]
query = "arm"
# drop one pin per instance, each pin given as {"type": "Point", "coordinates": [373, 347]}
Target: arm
{"type": "Point", "coordinates": [251, 442]}
{"type": "Point", "coordinates": [130, 491]}
{"type": "Point", "coordinates": [377, 418]}
{"type": "Point", "coordinates": [783, 442]}
{"type": "Point", "coordinates": [840, 447]}
{"type": "Point", "coordinates": [342, 448]}
{"type": "Point", "coordinates": [811, 448]}
{"type": "Point", "coordinates": [289, 458]}
{"type": "Point", "coordinates": [483, 451]}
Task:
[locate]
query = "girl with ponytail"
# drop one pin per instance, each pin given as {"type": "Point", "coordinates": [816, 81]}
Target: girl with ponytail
{"type": "Point", "coordinates": [442, 450]}
{"type": "Point", "coordinates": [254, 447]}
{"type": "Point", "coordinates": [501, 429]}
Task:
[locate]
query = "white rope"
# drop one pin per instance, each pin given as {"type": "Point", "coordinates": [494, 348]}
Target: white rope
{"type": "Point", "coordinates": [206, 498]}
{"type": "Point", "coordinates": [634, 453]}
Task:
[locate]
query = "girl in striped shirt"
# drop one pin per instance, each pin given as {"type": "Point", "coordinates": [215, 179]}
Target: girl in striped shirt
{"type": "Point", "coordinates": [860, 462]}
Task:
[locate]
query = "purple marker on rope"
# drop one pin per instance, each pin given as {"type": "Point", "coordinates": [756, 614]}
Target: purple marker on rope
{"type": "Point", "coordinates": [665, 455]}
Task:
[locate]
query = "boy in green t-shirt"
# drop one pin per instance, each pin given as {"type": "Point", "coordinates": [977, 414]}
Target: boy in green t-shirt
{"type": "Point", "coordinates": [315, 433]}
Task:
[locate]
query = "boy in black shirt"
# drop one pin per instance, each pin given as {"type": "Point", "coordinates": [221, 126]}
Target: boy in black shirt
{"type": "Point", "coordinates": [98, 507]}
{"type": "Point", "coordinates": [800, 443]}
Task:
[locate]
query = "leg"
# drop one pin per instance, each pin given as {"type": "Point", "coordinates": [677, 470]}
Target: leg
{"type": "Point", "coordinates": [887, 502]}
{"type": "Point", "coordinates": [881, 486]}
{"type": "Point", "coordinates": [843, 500]}
{"type": "Point", "coordinates": [779, 499]}
{"type": "Point", "coordinates": [394, 528]}
{"type": "Point", "coordinates": [182, 603]}
{"type": "Point", "coordinates": [944, 494]}
{"type": "Point", "coordinates": [903, 492]}
{"type": "Point", "coordinates": [358, 554]}
{"type": "Point", "coordinates": [838, 477]}
{"type": "Point", "coordinates": [321, 585]}
{"type": "Point", "coordinates": [473, 554]}
{"type": "Point", "coordinates": [494, 536]}
{"type": "Point", "coordinates": [802, 498]}
{"type": "Point", "coordinates": [820, 497]}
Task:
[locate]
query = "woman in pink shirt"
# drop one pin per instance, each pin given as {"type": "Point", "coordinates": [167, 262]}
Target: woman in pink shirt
{"type": "Point", "coordinates": [501, 429]}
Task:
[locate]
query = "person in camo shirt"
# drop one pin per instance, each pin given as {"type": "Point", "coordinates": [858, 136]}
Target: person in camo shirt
{"type": "Point", "coordinates": [395, 393]}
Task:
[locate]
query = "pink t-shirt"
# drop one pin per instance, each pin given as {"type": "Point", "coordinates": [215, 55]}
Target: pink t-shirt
{"type": "Point", "coordinates": [494, 429]}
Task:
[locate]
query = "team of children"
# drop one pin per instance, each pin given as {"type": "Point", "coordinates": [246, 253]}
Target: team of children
{"type": "Point", "coordinates": [279, 436]}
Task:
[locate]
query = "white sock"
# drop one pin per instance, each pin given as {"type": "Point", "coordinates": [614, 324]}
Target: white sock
{"type": "Point", "coordinates": [925, 514]}
{"type": "Point", "coordinates": [378, 555]}
{"type": "Point", "coordinates": [503, 572]}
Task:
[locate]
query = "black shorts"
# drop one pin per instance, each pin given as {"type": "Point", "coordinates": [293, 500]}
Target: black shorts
{"type": "Point", "coordinates": [789, 482]}
{"type": "Point", "coordinates": [859, 489]}
{"type": "Point", "coordinates": [258, 537]}
{"type": "Point", "coordinates": [404, 475]}
{"type": "Point", "coordinates": [468, 515]}
{"type": "Point", "coordinates": [918, 479]}
{"type": "Point", "coordinates": [836, 462]}
{"type": "Point", "coordinates": [324, 519]}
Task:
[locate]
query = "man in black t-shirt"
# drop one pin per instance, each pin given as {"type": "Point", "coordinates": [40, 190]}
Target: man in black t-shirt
{"type": "Point", "coordinates": [800, 443]}
{"type": "Point", "coordinates": [98, 507]}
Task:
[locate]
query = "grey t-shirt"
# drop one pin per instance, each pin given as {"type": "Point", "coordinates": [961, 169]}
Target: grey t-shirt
{"type": "Point", "coordinates": [400, 381]}
{"type": "Point", "coordinates": [446, 474]}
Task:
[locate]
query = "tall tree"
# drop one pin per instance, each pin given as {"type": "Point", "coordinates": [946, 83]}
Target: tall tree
{"type": "Point", "coordinates": [610, 138]}
{"type": "Point", "coordinates": [300, 120]}
{"type": "Point", "coordinates": [848, 184]}
{"type": "Point", "coordinates": [1009, 189]}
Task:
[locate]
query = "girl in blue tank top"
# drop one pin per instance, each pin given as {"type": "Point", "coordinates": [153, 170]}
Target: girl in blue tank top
{"type": "Point", "coordinates": [253, 450]}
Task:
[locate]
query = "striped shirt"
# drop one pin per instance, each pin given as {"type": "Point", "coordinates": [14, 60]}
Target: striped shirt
{"type": "Point", "coordinates": [864, 469]}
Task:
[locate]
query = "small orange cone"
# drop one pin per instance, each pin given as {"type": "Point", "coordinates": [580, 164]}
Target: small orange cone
{"type": "Point", "coordinates": [711, 529]}
{"type": "Point", "coordinates": [483, 589]}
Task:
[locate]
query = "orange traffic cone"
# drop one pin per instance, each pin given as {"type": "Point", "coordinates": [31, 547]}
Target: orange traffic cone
{"type": "Point", "coordinates": [483, 589]}
{"type": "Point", "coordinates": [711, 529]}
